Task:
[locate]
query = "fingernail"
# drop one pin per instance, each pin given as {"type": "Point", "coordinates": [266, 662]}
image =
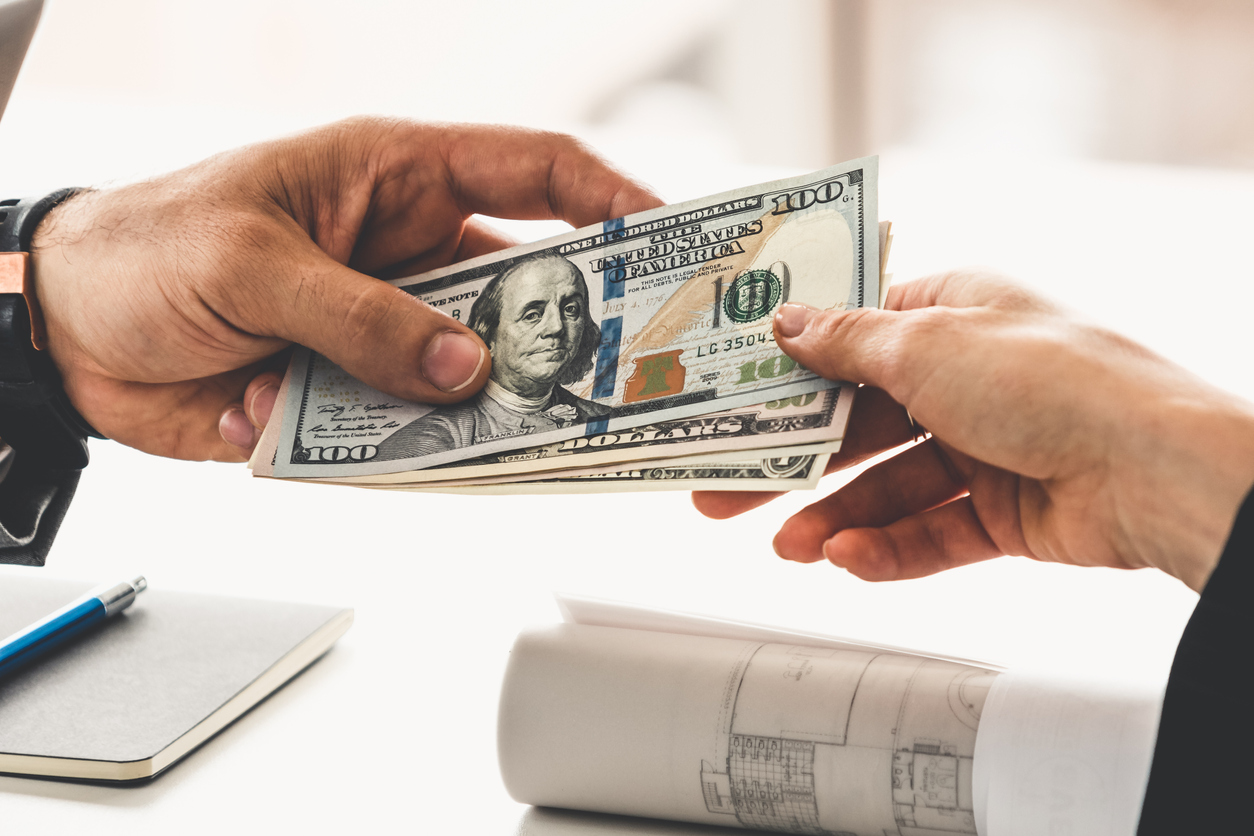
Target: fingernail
{"type": "Point", "coordinates": [452, 361]}
{"type": "Point", "coordinates": [236, 428]}
{"type": "Point", "coordinates": [263, 405]}
{"type": "Point", "coordinates": [791, 319]}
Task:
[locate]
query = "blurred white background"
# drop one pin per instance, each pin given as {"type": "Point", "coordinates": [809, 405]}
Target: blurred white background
{"type": "Point", "coordinates": [1097, 150]}
{"type": "Point", "coordinates": [796, 83]}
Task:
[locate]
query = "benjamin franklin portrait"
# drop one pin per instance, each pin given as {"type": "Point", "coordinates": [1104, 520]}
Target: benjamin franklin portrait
{"type": "Point", "coordinates": [535, 320]}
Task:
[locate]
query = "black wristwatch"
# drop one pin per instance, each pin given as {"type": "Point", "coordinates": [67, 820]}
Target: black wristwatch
{"type": "Point", "coordinates": [47, 436]}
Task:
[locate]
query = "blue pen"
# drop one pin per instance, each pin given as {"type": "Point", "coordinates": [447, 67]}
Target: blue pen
{"type": "Point", "coordinates": [69, 621]}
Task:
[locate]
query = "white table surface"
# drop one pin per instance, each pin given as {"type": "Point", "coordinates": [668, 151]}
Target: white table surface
{"type": "Point", "coordinates": [394, 729]}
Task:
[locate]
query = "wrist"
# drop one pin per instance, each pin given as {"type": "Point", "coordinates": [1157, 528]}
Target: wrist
{"type": "Point", "coordinates": [53, 268]}
{"type": "Point", "coordinates": [1199, 446]}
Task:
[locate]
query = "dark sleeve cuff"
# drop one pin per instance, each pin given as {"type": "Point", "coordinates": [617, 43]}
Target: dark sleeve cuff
{"type": "Point", "coordinates": [33, 501]}
{"type": "Point", "coordinates": [1201, 764]}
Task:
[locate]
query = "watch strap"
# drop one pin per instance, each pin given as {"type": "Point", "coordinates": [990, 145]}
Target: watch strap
{"type": "Point", "coordinates": [20, 216]}
{"type": "Point", "coordinates": [36, 418]}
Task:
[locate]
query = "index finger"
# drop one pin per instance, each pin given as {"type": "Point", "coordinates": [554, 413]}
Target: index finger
{"type": "Point", "coordinates": [511, 172]}
{"type": "Point", "coordinates": [427, 179]}
{"type": "Point", "coordinates": [964, 289]}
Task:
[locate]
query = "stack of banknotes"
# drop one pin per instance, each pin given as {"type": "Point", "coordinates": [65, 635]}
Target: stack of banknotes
{"type": "Point", "coordinates": [637, 354]}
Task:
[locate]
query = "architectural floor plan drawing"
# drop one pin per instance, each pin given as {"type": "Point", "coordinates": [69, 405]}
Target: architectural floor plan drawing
{"type": "Point", "coordinates": [760, 735]}
{"type": "Point", "coordinates": [842, 742]}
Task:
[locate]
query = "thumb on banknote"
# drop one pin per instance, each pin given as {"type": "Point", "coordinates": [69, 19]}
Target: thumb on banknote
{"type": "Point", "coordinates": [860, 345]}
{"type": "Point", "coordinates": [900, 347]}
{"type": "Point", "coordinates": [384, 337]}
{"type": "Point", "coordinates": [381, 335]}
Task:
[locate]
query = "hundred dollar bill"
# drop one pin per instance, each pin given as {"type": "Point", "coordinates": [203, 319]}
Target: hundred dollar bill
{"type": "Point", "coordinates": [657, 316]}
{"type": "Point", "coordinates": [788, 473]}
{"type": "Point", "coordinates": [667, 461]}
{"type": "Point", "coordinates": [802, 419]}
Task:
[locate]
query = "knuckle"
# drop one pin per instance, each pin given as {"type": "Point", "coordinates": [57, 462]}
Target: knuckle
{"type": "Point", "coordinates": [901, 352]}
{"type": "Point", "coordinates": [863, 328]}
{"type": "Point", "coordinates": [569, 143]}
{"type": "Point", "coordinates": [1008, 294]}
{"type": "Point", "coordinates": [370, 317]}
{"type": "Point", "coordinates": [369, 126]}
{"type": "Point", "coordinates": [920, 331]}
{"type": "Point", "coordinates": [830, 326]}
{"type": "Point", "coordinates": [984, 286]}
